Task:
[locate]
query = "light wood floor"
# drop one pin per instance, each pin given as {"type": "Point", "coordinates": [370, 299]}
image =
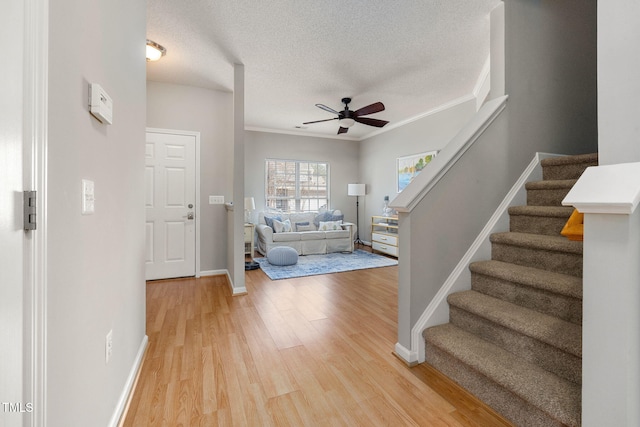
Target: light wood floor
{"type": "Point", "coordinates": [314, 351]}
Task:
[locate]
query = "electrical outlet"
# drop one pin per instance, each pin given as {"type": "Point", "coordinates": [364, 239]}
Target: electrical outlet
{"type": "Point", "coordinates": [108, 346]}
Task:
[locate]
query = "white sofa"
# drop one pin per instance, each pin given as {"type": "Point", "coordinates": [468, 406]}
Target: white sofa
{"type": "Point", "coordinates": [305, 237]}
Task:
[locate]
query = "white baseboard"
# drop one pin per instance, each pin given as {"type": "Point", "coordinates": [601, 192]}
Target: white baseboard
{"type": "Point", "coordinates": [128, 386]}
{"type": "Point", "coordinates": [409, 357]}
{"type": "Point", "coordinates": [437, 312]}
{"type": "Point", "coordinates": [214, 272]}
{"type": "Point", "coordinates": [235, 291]}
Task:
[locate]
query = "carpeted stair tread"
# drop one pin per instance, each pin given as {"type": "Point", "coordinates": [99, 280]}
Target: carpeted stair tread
{"type": "Point", "coordinates": [543, 211]}
{"type": "Point", "coordinates": [550, 330]}
{"type": "Point", "coordinates": [567, 167]}
{"type": "Point", "coordinates": [536, 241]}
{"type": "Point", "coordinates": [548, 192]}
{"type": "Point", "coordinates": [550, 293]}
{"type": "Point", "coordinates": [546, 220]}
{"type": "Point", "coordinates": [558, 398]}
{"type": "Point", "coordinates": [558, 283]}
{"type": "Point", "coordinates": [554, 184]}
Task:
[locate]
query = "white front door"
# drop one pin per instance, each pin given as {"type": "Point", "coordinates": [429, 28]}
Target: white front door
{"type": "Point", "coordinates": [170, 176]}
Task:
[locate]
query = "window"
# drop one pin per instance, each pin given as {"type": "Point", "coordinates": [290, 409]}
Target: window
{"type": "Point", "coordinates": [296, 186]}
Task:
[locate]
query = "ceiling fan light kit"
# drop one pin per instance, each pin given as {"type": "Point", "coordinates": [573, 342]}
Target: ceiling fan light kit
{"type": "Point", "coordinates": [347, 118]}
{"type": "Point", "coordinates": [346, 123]}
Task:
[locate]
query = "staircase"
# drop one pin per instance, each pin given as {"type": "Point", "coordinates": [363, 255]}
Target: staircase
{"type": "Point", "coordinates": [515, 339]}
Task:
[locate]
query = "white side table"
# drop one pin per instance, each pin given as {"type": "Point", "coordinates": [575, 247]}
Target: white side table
{"type": "Point", "coordinates": [249, 230]}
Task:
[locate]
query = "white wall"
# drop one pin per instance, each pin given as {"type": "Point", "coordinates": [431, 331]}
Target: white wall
{"type": "Point", "coordinates": [209, 112]}
{"type": "Point", "coordinates": [618, 84]}
{"type": "Point", "coordinates": [378, 155]}
{"type": "Point", "coordinates": [342, 156]}
{"type": "Point", "coordinates": [13, 353]}
{"type": "Point", "coordinates": [95, 274]}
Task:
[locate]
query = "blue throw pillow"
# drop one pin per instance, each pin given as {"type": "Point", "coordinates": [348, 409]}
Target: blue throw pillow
{"type": "Point", "coordinates": [301, 224]}
{"type": "Point", "coordinates": [337, 218]}
{"type": "Point", "coordinates": [323, 216]}
{"type": "Point", "coordinates": [269, 220]}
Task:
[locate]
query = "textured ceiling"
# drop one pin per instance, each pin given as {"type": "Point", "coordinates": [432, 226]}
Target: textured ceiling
{"type": "Point", "coordinates": [412, 55]}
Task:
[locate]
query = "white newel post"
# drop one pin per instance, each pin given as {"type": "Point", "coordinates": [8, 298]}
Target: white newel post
{"type": "Point", "coordinates": [608, 196]}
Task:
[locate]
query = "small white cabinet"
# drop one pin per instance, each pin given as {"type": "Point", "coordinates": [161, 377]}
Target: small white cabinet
{"type": "Point", "coordinates": [384, 234]}
{"type": "Point", "coordinates": [249, 230]}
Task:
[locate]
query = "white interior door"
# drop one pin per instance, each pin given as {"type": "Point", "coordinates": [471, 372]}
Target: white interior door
{"type": "Point", "coordinates": [170, 176]}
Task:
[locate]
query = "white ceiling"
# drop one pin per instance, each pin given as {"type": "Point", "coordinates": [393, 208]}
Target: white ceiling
{"type": "Point", "coordinates": [412, 55]}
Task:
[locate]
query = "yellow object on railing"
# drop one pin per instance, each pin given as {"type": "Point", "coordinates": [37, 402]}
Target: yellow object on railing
{"type": "Point", "coordinates": [574, 228]}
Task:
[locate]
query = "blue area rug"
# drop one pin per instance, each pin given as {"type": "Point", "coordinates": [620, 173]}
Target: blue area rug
{"type": "Point", "coordinates": [311, 265]}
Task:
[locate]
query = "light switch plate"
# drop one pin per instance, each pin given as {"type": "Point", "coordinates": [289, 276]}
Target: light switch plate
{"type": "Point", "coordinates": [88, 197]}
{"type": "Point", "coordinates": [216, 200]}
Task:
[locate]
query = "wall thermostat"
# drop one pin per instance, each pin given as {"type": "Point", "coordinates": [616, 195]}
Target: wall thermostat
{"type": "Point", "coordinates": [100, 104]}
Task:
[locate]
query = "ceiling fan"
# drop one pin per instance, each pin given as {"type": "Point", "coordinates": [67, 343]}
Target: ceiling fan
{"type": "Point", "coordinates": [347, 118]}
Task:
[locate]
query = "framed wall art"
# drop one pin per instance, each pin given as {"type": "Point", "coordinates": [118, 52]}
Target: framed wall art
{"type": "Point", "coordinates": [408, 167]}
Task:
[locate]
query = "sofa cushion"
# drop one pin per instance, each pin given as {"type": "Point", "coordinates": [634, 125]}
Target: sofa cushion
{"type": "Point", "coordinates": [312, 235]}
{"type": "Point", "coordinates": [337, 234]}
{"type": "Point", "coordinates": [322, 216]}
{"type": "Point", "coordinates": [269, 219]}
{"type": "Point", "coordinates": [327, 216]}
{"type": "Point", "coordinates": [305, 226]}
{"type": "Point", "coordinates": [302, 217]}
{"type": "Point", "coordinates": [286, 237]}
{"type": "Point", "coordinates": [281, 226]}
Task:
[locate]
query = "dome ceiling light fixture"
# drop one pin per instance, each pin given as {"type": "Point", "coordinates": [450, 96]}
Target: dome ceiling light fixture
{"type": "Point", "coordinates": [155, 51]}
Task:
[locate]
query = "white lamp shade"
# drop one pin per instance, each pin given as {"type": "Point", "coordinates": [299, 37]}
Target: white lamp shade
{"type": "Point", "coordinates": [355, 189]}
{"type": "Point", "coordinates": [249, 203]}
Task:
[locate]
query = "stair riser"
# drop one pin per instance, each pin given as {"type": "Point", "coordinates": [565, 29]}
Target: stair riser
{"type": "Point", "coordinates": [551, 197]}
{"type": "Point", "coordinates": [550, 226]}
{"type": "Point", "coordinates": [512, 407]}
{"type": "Point", "coordinates": [561, 306]}
{"type": "Point", "coordinates": [552, 359]}
{"type": "Point", "coordinates": [558, 262]}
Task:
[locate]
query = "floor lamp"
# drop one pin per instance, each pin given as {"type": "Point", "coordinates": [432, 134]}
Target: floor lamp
{"type": "Point", "coordinates": [356, 190]}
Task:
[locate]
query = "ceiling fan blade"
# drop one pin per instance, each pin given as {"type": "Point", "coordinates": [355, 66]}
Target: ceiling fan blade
{"type": "Point", "coordinates": [325, 108]}
{"type": "Point", "coordinates": [370, 109]}
{"type": "Point", "coordinates": [371, 122]}
{"type": "Point", "coordinates": [342, 130]}
{"type": "Point", "coordinates": [318, 121]}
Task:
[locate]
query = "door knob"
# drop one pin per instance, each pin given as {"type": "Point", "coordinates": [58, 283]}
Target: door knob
{"type": "Point", "coordinates": [190, 215]}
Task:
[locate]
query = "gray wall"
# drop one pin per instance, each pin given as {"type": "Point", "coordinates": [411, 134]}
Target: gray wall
{"type": "Point", "coordinates": [342, 156]}
{"type": "Point", "coordinates": [209, 112]}
{"type": "Point", "coordinates": [551, 83]}
{"type": "Point", "coordinates": [378, 155]}
{"type": "Point", "coordinates": [95, 265]}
